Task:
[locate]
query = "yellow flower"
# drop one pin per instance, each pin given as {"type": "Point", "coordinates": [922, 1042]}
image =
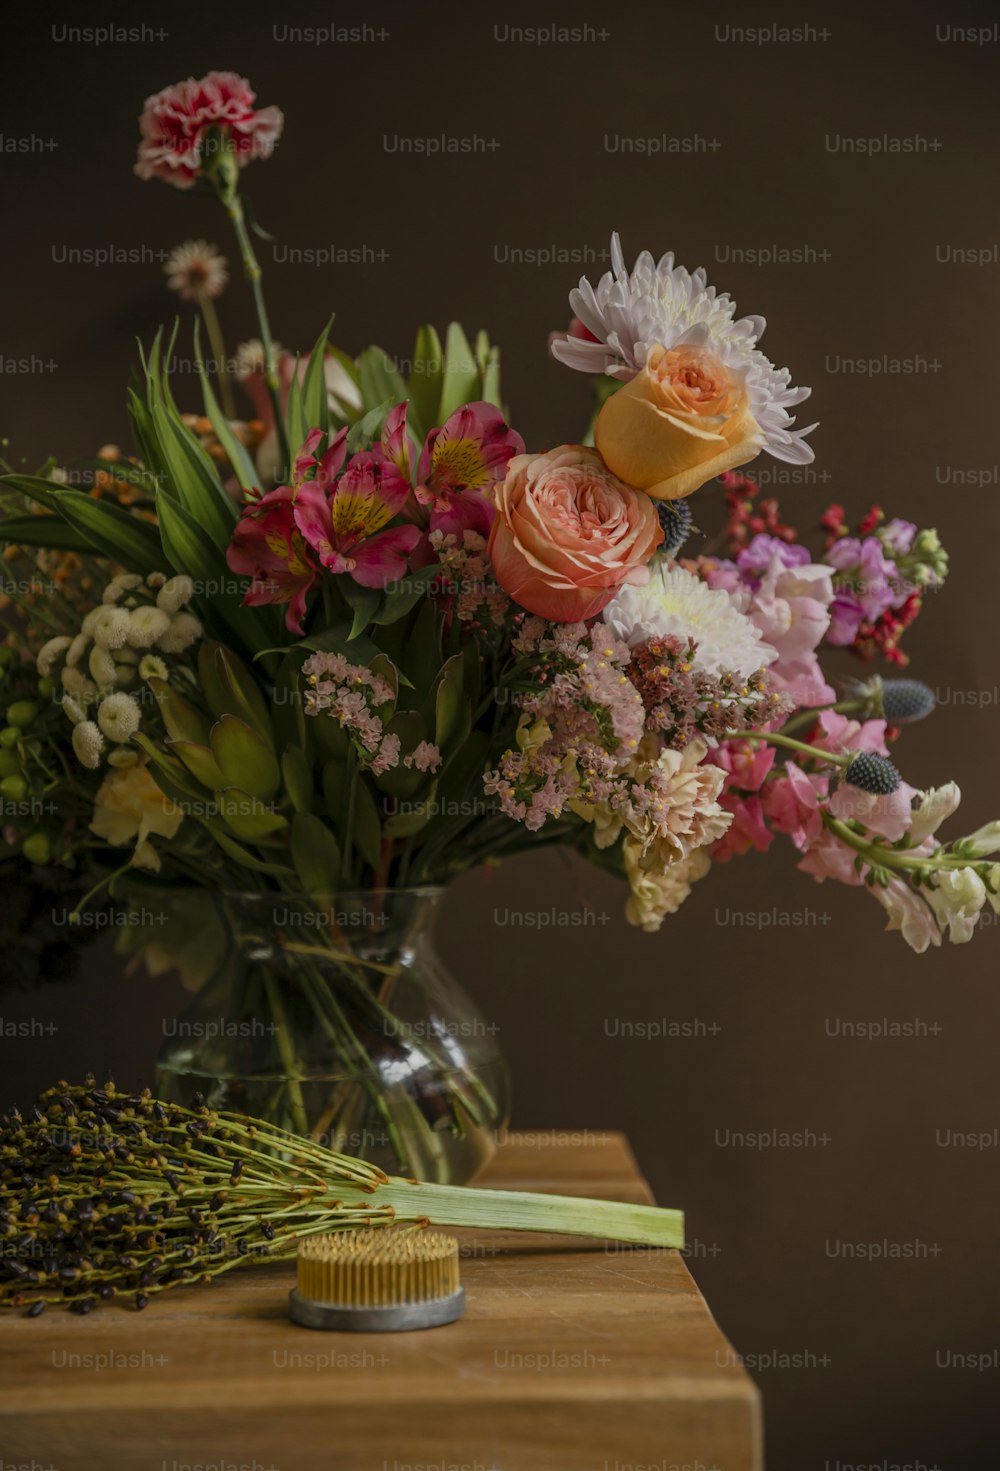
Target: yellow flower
{"type": "Point", "coordinates": [130, 805]}
{"type": "Point", "coordinates": [656, 891]}
{"type": "Point", "coordinates": [681, 421]}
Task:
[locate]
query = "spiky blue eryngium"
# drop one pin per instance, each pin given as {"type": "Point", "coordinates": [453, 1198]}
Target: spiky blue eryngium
{"type": "Point", "coordinates": [906, 700]}
{"type": "Point", "coordinates": [873, 773]}
{"type": "Point", "coordinates": [675, 518]}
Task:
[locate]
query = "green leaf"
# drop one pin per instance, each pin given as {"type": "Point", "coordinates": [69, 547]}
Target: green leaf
{"type": "Point", "coordinates": [337, 640]}
{"type": "Point", "coordinates": [316, 855]}
{"type": "Point", "coordinates": [43, 492]}
{"type": "Point", "coordinates": [243, 856]}
{"type": "Point", "coordinates": [491, 379]}
{"type": "Point", "coordinates": [407, 824]}
{"type": "Point", "coordinates": [43, 531]}
{"type": "Point", "coordinates": [298, 426]}
{"type": "Point", "coordinates": [236, 453]}
{"type": "Point", "coordinates": [189, 550]}
{"type": "Point", "coordinates": [231, 689]}
{"type": "Point", "coordinates": [183, 721]}
{"type": "Point", "coordinates": [363, 602]}
{"type": "Point", "coordinates": [450, 704]}
{"type": "Point", "coordinates": [113, 532]}
{"type": "Point", "coordinates": [363, 434]}
{"type": "Point", "coordinates": [404, 781]}
{"type": "Point", "coordinates": [379, 379]}
{"type": "Point", "coordinates": [143, 431]}
{"type": "Point", "coordinates": [195, 479]}
{"type": "Point", "coordinates": [461, 375]}
{"type": "Point", "coordinates": [425, 381]}
{"type": "Point", "coordinates": [247, 816]}
{"type": "Point", "coordinates": [367, 824]}
{"type": "Point", "coordinates": [314, 397]}
{"type": "Point", "coordinates": [423, 652]}
{"type": "Point", "coordinates": [399, 597]}
{"type": "Point", "coordinates": [244, 758]}
{"type": "Point", "coordinates": [296, 772]}
{"type": "Point", "coordinates": [200, 762]}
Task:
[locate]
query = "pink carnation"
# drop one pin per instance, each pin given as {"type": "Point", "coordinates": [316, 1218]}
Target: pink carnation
{"type": "Point", "coordinates": [174, 122]}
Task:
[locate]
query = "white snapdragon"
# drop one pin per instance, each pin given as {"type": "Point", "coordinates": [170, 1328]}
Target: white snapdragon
{"type": "Point", "coordinates": [956, 896]}
{"type": "Point", "coordinates": [984, 841]}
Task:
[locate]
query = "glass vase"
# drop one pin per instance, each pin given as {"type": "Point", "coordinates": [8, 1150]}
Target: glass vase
{"type": "Point", "coordinates": [342, 1024]}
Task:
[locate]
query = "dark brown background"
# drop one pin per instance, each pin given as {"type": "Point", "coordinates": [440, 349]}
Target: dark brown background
{"type": "Point", "coordinates": [761, 1221]}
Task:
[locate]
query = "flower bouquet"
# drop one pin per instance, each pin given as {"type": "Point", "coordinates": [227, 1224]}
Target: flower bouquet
{"type": "Point", "coordinates": [293, 673]}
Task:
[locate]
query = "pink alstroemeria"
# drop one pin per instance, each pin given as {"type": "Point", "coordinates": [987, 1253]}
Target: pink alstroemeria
{"type": "Point", "coordinates": [460, 464]}
{"type": "Point", "coordinates": [345, 520]}
{"type": "Point", "coordinates": [268, 547]}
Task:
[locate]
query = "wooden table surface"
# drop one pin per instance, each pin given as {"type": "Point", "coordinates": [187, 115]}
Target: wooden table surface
{"type": "Point", "coordinates": [575, 1355]}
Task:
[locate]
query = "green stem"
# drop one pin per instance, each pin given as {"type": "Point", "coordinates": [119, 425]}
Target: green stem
{"type": "Point", "coordinates": [880, 856]}
{"type": "Point", "coordinates": [288, 1061]}
{"type": "Point", "coordinates": [518, 1210]}
{"type": "Point", "coordinates": [775, 738]}
{"type": "Point", "coordinates": [214, 329]}
{"type": "Point", "coordinates": [234, 208]}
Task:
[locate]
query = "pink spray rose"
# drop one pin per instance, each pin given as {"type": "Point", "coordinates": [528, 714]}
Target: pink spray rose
{"type": "Point", "coordinates": [174, 122]}
{"type": "Point", "coordinates": [568, 534]}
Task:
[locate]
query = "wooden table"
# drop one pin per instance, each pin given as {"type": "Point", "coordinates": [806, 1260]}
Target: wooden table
{"type": "Point", "coordinates": [572, 1355]}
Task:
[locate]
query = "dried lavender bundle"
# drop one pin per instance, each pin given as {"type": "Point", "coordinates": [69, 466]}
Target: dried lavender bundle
{"type": "Point", "coordinates": [110, 1195]}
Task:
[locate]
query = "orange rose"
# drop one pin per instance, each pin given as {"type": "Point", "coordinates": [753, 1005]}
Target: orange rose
{"type": "Point", "coordinates": [684, 419]}
{"type": "Point", "coordinates": [567, 534]}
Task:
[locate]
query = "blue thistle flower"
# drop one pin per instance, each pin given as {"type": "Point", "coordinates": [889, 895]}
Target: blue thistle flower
{"type": "Point", "coordinates": [873, 773]}
{"type": "Point", "coordinates": [675, 518]}
{"type": "Point", "coordinates": [906, 700]}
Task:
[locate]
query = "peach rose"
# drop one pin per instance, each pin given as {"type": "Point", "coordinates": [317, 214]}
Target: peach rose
{"type": "Point", "coordinates": [684, 419]}
{"type": "Point", "coordinates": [568, 534]}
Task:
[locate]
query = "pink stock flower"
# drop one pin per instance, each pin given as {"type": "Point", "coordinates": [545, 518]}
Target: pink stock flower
{"type": "Point", "coordinates": [747, 831]}
{"type": "Point", "coordinates": [792, 805]}
{"type": "Point", "coordinates": [459, 465]}
{"type": "Point", "coordinates": [829, 858]}
{"type": "Point", "coordinates": [746, 762]}
{"type": "Point", "coordinates": [840, 734]}
{"type": "Point", "coordinates": [267, 547]}
{"type": "Point", "coordinates": [888, 815]}
{"type": "Point", "coordinates": [345, 520]}
{"type": "Point", "coordinates": [173, 124]}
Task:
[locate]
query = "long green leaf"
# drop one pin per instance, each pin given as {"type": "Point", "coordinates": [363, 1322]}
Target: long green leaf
{"type": "Point", "coordinates": [380, 380]}
{"type": "Point", "coordinates": [315, 404]}
{"type": "Point", "coordinates": [113, 532]}
{"type": "Point", "coordinates": [425, 381]}
{"type": "Point", "coordinates": [42, 492]}
{"type": "Point", "coordinates": [195, 479]}
{"type": "Point", "coordinates": [43, 531]}
{"type": "Point", "coordinates": [236, 453]}
{"type": "Point", "coordinates": [461, 373]}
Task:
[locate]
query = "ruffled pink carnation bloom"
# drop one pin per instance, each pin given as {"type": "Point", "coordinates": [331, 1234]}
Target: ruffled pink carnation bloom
{"type": "Point", "coordinates": [174, 122]}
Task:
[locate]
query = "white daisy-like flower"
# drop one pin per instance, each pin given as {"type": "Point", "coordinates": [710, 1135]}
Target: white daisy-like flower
{"type": "Point", "coordinates": [677, 602]}
{"type": "Point", "coordinates": [146, 625]}
{"type": "Point", "coordinates": [196, 269]}
{"type": "Point", "coordinates": [88, 743]}
{"type": "Point", "coordinates": [119, 717]}
{"type": "Point", "coordinates": [156, 579]}
{"type": "Point", "coordinates": [183, 631]}
{"type": "Point", "coordinates": [249, 358]}
{"type": "Point", "coordinates": [75, 682]}
{"type": "Point", "coordinates": [151, 666]}
{"type": "Point", "coordinates": [123, 583]}
{"type": "Point", "coordinates": [49, 653]}
{"type": "Point", "coordinates": [77, 649]}
{"type": "Point", "coordinates": [108, 626]}
{"type": "Point", "coordinates": [660, 303]}
{"type": "Point", "coordinates": [173, 595]}
{"type": "Point", "coordinates": [102, 667]}
{"type": "Point", "coordinates": [73, 709]}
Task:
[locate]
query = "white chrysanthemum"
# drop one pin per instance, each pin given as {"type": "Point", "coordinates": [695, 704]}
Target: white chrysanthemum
{"type": "Point", "coordinates": [88, 743]}
{"type": "Point", "coordinates": [174, 594]}
{"type": "Point", "coordinates": [196, 269]}
{"type": "Point", "coordinates": [49, 653]}
{"type": "Point", "coordinates": [76, 650]}
{"type": "Point", "coordinates": [108, 626]}
{"type": "Point", "coordinates": [102, 667]}
{"type": "Point", "coordinates": [73, 709]}
{"type": "Point", "coordinates": [151, 666]}
{"type": "Point", "coordinates": [123, 583]}
{"type": "Point", "coordinates": [75, 682]}
{"type": "Point", "coordinates": [183, 631]}
{"type": "Point", "coordinates": [659, 302]}
{"type": "Point", "coordinates": [677, 602]}
{"type": "Point", "coordinates": [146, 625]}
{"type": "Point", "coordinates": [119, 717]}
